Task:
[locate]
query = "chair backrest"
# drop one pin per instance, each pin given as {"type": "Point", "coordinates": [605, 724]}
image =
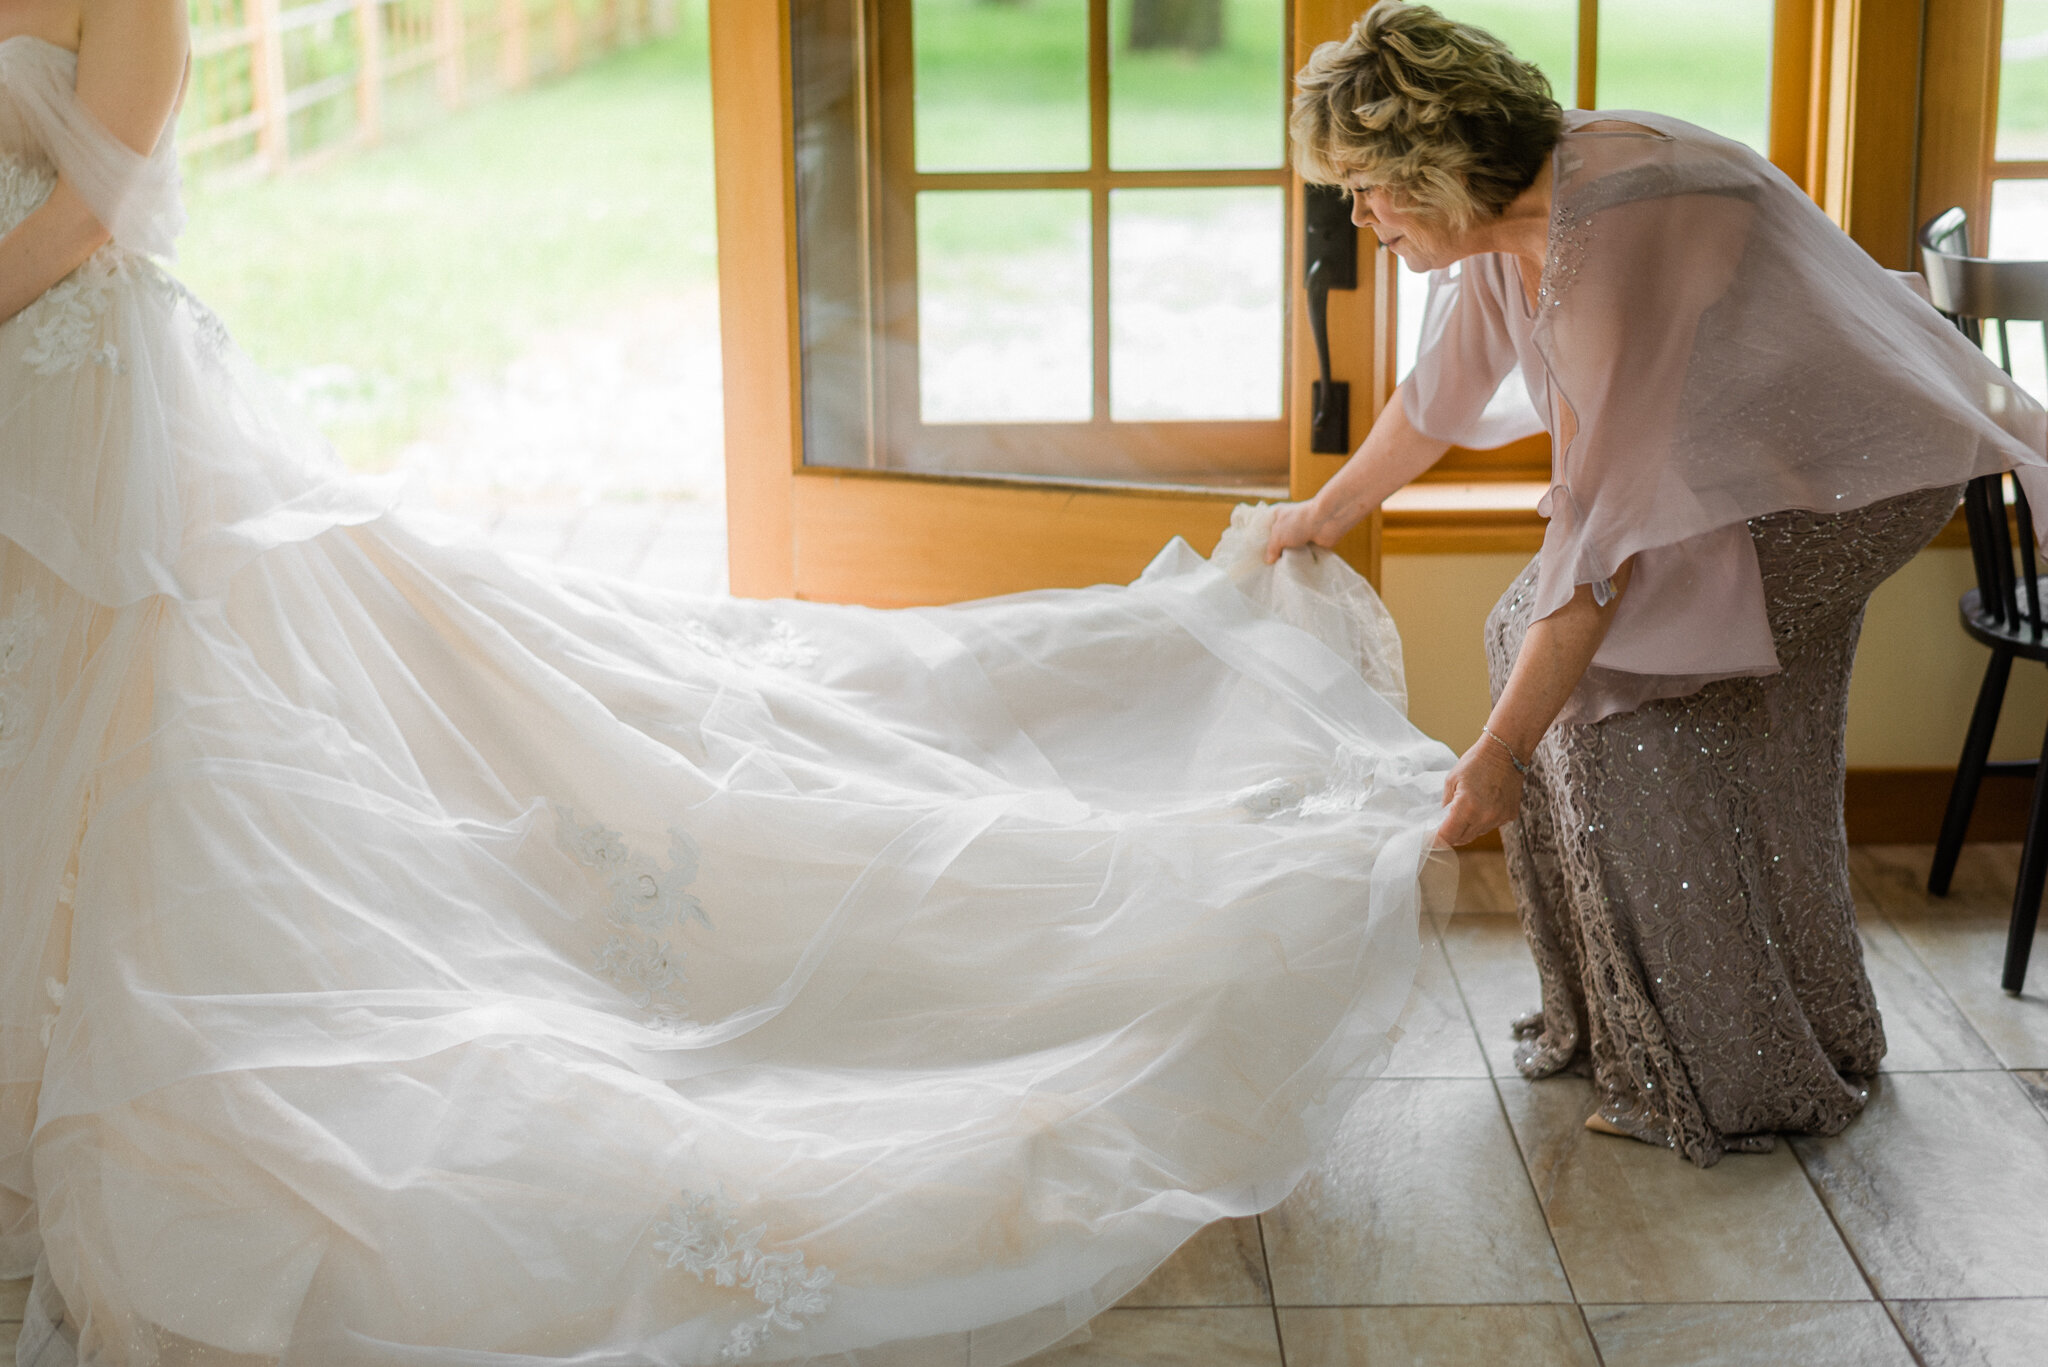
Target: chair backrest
{"type": "Point", "coordinates": [1984, 298]}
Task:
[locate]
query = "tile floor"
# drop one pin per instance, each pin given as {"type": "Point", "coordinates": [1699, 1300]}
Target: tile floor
{"type": "Point", "coordinates": [1465, 1216]}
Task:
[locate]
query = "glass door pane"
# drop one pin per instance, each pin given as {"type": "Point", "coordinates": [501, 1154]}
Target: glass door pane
{"type": "Point", "coordinates": [1197, 84]}
{"type": "Point", "coordinates": [1001, 86]}
{"type": "Point", "coordinates": [1708, 64]}
{"type": "Point", "coordinates": [1544, 32]}
{"type": "Point", "coordinates": [2023, 82]}
{"type": "Point", "coordinates": [1195, 298]}
{"type": "Point", "coordinates": [2019, 219]}
{"type": "Point", "coordinates": [1004, 320]}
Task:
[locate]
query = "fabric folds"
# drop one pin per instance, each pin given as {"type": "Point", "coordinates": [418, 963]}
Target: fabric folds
{"type": "Point", "coordinates": [409, 955]}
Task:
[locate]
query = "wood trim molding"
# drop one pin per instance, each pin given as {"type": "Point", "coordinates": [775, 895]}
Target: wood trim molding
{"type": "Point", "coordinates": [1905, 806]}
{"type": "Point", "coordinates": [1868, 69]}
{"type": "Point", "coordinates": [1361, 331]}
{"type": "Point", "coordinates": [889, 540]}
{"type": "Point", "coordinates": [1487, 517]}
{"type": "Point", "coordinates": [755, 175]}
{"type": "Point", "coordinates": [1959, 113]}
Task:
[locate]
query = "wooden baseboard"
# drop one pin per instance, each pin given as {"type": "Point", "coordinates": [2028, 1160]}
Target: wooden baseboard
{"type": "Point", "coordinates": [1905, 806]}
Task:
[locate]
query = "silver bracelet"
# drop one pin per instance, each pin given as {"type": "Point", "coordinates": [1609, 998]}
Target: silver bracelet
{"type": "Point", "coordinates": [1513, 758]}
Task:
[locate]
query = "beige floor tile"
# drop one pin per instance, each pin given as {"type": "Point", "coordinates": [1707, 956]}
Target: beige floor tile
{"type": "Point", "coordinates": [7, 1345]}
{"type": "Point", "coordinates": [1966, 955]}
{"type": "Point", "coordinates": [1938, 1186]}
{"type": "Point", "coordinates": [1810, 1335]}
{"type": "Point", "coordinates": [1636, 1224]}
{"type": "Point", "coordinates": [1436, 1336]}
{"type": "Point", "coordinates": [1225, 1264]}
{"type": "Point", "coordinates": [1976, 1333]}
{"type": "Point", "coordinates": [2035, 1085]}
{"type": "Point", "coordinates": [13, 1300]}
{"type": "Point", "coordinates": [1895, 876]}
{"type": "Point", "coordinates": [1924, 1029]}
{"type": "Point", "coordinates": [1437, 1038]}
{"type": "Point", "coordinates": [1483, 885]}
{"type": "Point", "coordinates": [1420, 1199]}
{"type": "Point", "coordinates": [1497, 978]}
{"type": "Point", "coordinates": [1172, 1338]}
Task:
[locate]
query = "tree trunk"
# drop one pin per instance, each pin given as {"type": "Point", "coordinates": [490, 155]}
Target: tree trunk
{"type": "Point", "coordinates": [1191, 25]}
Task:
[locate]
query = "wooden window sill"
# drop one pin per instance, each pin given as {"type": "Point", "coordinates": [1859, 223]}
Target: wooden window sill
{"type": "Point", "coordinates": [1499, 518]}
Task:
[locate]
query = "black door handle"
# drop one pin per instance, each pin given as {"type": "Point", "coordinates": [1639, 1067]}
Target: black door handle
{"type": "Point", "coordinates": [1330, 242]}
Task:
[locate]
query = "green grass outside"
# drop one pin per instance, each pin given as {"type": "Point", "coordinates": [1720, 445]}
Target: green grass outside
{"type": "Point", "coordinates": [443, 254]}
{"type": "Point", "coordinates": [2023, 84]}
{"type": "Point", "coordinates": [446, 253]}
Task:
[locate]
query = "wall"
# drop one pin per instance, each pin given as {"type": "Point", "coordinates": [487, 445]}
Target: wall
{"type": "Point", "coordinates": [1909, 704]}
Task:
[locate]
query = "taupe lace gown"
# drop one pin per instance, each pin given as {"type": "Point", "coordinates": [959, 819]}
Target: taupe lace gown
{"type": "Point", "coordinates": [1682, 873]}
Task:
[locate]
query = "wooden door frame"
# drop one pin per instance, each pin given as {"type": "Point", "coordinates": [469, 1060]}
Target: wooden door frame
{"type": "Point", "coordinates": [891, 539]}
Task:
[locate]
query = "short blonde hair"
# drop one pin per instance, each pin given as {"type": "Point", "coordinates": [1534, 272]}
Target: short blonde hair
{"type": "Point", "coordinates": [1437, 111]}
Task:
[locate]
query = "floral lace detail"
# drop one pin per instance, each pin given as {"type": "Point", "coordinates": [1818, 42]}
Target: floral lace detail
{"type": "Point", "coordinates": [20, 632]}
{"type": "Point", "coordinates": [778, 646]}
{"type": "Point", "coordinates": [207, 328]}
{"type": "Point", "coordinates": [23, 188]}
{"type": "Point", "coordinates": [642, 898]}
{"type": "Point", "coordinates": [1354, 780]}
{"type": "Point", "coordinates": [70, 317]}
{"type": "Point", "coordinates": [699, 1237]}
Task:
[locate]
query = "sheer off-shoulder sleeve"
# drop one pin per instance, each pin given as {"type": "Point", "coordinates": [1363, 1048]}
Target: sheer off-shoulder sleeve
{"type": "Point", "coordinates": [1467, 387]}
{"type": "Point", "coordinates": [134, 197]}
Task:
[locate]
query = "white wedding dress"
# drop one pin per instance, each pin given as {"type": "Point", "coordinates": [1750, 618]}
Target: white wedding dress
{"type": "Point", "coordinates": [411, 956]}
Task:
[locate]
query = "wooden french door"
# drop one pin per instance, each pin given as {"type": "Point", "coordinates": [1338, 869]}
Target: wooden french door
{"type": "Point", "coordinates": [861, 466]}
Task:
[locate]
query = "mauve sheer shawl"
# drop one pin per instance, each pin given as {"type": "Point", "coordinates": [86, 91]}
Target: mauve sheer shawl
{"type": "Point", "coordinates": [1707, 347]}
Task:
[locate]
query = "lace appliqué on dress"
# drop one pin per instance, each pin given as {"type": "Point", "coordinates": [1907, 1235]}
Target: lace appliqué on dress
{"type": "Point", "coordinates": [23, 188]}
{"type": "Point", "coordinates": [777, 646]}
{"type": "Point", "coordinates": [641, 899]}
{"type": "Point", "coordinates": [20, 632]}
{"type": "Point", "coordinates": [69, 319]}
{"type": "Point", "coordinates": [699, 1237]}
{"type": "Point", "coordinates": [1350, 785]}
{"type": "Point", "coordinates": [207, 329]}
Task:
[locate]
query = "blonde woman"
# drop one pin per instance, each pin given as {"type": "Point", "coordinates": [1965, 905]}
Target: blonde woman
{"type": "Point", "coordinates": [1753, 425]}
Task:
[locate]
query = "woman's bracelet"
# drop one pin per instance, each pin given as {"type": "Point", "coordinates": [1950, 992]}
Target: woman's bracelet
{"type": "Point", "coordinates": [1513, 758]}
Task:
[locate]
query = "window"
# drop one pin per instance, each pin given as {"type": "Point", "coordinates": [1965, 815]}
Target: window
{"type": "Point", "coordinates": [1708, 64]}
{"type": "Point", "coordinates": [2019, 165]}
{"type": "Point", "coordinates": [1044, 238]}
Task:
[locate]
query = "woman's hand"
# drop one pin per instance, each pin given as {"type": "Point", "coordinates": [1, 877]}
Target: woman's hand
{"type": "Point", "coordinates": [1482, 793]}
{"type": "Point", "coordinates": [1303, 524]}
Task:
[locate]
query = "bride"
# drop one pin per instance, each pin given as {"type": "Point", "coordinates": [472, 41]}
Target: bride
{"type": "Point", "coordinates": [410, 956]}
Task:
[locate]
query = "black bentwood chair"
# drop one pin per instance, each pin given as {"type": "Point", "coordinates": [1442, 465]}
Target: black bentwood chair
{"type": "Point", "coordinates": [2004, 610]}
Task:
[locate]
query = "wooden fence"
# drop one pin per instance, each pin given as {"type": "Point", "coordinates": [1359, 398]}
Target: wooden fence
{"type": "Point", "coordinates": [277, 83]}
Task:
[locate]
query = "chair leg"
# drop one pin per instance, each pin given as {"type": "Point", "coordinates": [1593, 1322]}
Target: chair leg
{"type": "Point", "coordinates": [1962, 797]}
{"type": "Point", "coordinates": [2026, 898]}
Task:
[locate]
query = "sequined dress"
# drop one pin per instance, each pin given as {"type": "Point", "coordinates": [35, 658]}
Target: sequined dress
{"type": "Point", "coordinates": [411, 956]}
{"type": "Point", "coordinates": [1764, 423]}
{"type": "Point", "coordinates": [1682, 875]}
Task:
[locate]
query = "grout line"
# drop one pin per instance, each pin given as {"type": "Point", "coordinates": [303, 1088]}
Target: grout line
{"type": "Point", "coordinates": [1500, 1102]}
{"type": "Point", "coordinates": [1848, 1244]}
{"type": "Point", "coordinates": [1272, 1297]}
